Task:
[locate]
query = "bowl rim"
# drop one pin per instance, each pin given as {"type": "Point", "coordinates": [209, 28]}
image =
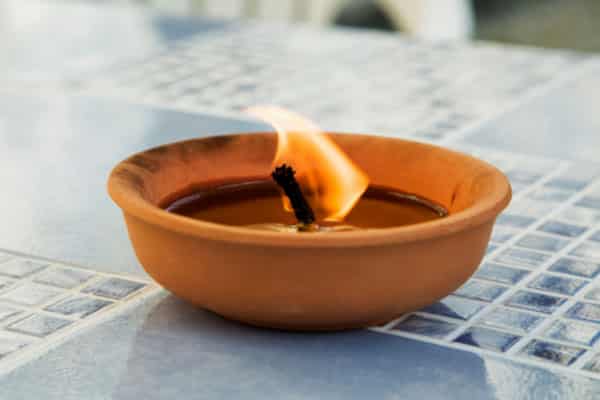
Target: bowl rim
{"type": "Point", "coordinates": [124, 193]}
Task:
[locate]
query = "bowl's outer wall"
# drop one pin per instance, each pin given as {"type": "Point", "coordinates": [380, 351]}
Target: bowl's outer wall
{"type": "Point", "coordinates": [312, 281]}
{"type": "Point", "coordinates": [308, 288]}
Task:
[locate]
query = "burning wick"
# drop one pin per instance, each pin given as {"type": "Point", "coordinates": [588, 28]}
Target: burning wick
{"type": "Point", "coordinates": [284, 176]}
{"type": "Point", "coordinates": [329, 178]}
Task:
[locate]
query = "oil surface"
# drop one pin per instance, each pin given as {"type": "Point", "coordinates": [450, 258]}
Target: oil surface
{"type": "Point", "coordinates": [259, 204]}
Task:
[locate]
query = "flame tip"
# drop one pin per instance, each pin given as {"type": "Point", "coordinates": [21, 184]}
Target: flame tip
{"type": "Point", "coordinates": [333, 181]}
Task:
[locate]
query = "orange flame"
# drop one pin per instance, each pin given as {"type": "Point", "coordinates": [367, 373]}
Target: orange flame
{"type": "Point", "coordinates": [329, 179]}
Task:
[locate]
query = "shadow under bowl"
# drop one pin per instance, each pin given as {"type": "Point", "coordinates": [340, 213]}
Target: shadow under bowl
{"type": "Point", "coordinates": [316, 281]}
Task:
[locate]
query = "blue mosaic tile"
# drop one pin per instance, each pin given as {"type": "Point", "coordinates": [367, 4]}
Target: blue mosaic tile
{"type": "Point", "coordinates": [587, 269]}
{"type": "Point", "coordinates": [589, 202]}
{"type": "Point", "coordinates": [38, 325]}
{"type": "Point", "coordinates": [487, 339]}
{"type": "Point", "coordinates": [480, 290]}
{"type": "Point", "coordinates": [455, 307]}
{"type": "Point", "coordinates": [78, 306]}
{"type": "Point", "coordinates": [542, 243]}
{"type": "Point", "coordinates": [553, 194]}
{"type": "Point", "coordinates": [560, 354]}
{"type": "Point", "coordinates": [500, 273]}
{"type": "Point", "coordinates": [580, 216]}
{"type": "Point", "coordinates": [595, 237]}
{"type": "Point", "coordinates": [490, 248]}
{"type": "Point", "coordinates": [587, 250]}
{"type": "Point", "coordinates": [425, 326]}
{"type": "Point", "coordinates": [535, 301]}
{"type": "Point", "coordinates": [594, 294]}
{"type": "Point", "coordinates": [593, 364]}
{"type": "Point", "coordinates": [113, 288]}
{"type": "Point", "coordinates": [523, 176]}
{"type": "Point", "coordinates": [11, 343]}
{"type": "Point", "coordinates": [522, 257]}
{"type": "Point", "coordinates": [18, 268]}
{"type": "Point", "coordinates": [66, 278]}
{"type": "Point", "coordinates": [30, 294]}
{"type": "Point", "coordinates": [518, 187]}
{"type": "Point", "coordinates": [568, 184]}
{"type": "Point", "coordinates": [502, 234]}
{"type": "Point", "coordinates": [531, 208]}
{"type": "Point", "coordinates": [584, 312]}
{"type": "Point", "coordinates": [510, 319]}
{"type": "Point", "coordinates": [8, 312]}
{"type": "Point", "coordinates": [575, 332]}
{"type": "Point", "coordinates": [562, 229]}
{"type": "Point", "coordinates": [516, 221]}
{"type": "Point", "coordinates": [557, 284]}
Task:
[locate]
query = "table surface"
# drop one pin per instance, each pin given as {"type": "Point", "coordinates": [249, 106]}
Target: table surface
{"type": "Point", "coordinates": [80, 319]}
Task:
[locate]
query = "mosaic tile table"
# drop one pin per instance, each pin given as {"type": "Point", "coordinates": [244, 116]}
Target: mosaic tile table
{"type": "Point", "coordinates": [79, 319]}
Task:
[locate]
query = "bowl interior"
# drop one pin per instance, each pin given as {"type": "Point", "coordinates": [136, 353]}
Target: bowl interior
{"type": "Point", "coordinates": [451, 179]}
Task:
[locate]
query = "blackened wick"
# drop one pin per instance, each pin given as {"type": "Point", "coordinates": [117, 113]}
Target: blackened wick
{"type": "Point", "coordinates": [284, 176]}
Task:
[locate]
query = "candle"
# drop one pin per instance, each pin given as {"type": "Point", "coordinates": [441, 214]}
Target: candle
{"type": "Point", "coordinates": [330, 193]}
{"type": "Point", "coordinates": [257, 204]}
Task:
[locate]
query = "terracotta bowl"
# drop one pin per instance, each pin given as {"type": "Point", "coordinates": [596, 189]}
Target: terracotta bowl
{"type": "Point", "coordinates": [317, 281]}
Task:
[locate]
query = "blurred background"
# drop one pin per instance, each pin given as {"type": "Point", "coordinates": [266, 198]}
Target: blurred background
{"type": "Point", "coordinates": [569, 24]}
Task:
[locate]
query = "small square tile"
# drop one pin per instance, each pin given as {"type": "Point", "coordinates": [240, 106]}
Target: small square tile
{"type": "Point", "coordinates": [531, 208]}
{"type": "Point", "coordinates": [4, 257]}
{"type": "Point", "coordinates": [501, 234]}
{"type": "Point", "coordinates": [8, 312]}
{"type": "Point", "coordinates": [491, 248]}
{"type": "Point", "coordinates": [11, 343]}
{"type": "Point", "coordinates": [588, 250]}
{"type": "Point", "coordinates": [580, 216]}
{"type": "Point", "coordinates": [589, 202]}
{"type": "Point", "coordinates": [571, 331]}
{"type": "Point", "coordinates": [487, 339]}
{"type": "Point", "coordinates": [522, 257]}
{"type": "Point", "coordinates": [523, 176]}
{"type": "Point", "coordinates": [500, 273]}
{"type": "Point", "coordinates": [510, 319]}
{"type": "Point", "coordinates": [562, 229]}
{"type": "Point", "coordinates": [584, 312]}
{"type": "Point", "coordinates": [568, 184]}
{"type": "Point", "coordinates": [113, 288]}
{"type": "Point", "coordinates": [455, 307]}
{"type": "Point", "coordinates": [593, 294]}
{"type": "Point", "coordinates": [5, 283]}
{"type": "Point", "coordinates": [557, 284]}
{"type": "Point", "coordinates": [30, 294]}
{"type": "Point", "coordinates": [553, 194]}
{"type": "Point", "coordinates": [586, 269]}
{"type": "Point", "coordinates": [425, 326]}
{"type": "Point", "coordinates": [515, 221]}
{"type": "Point", "coordinates": [78, 306]}
{"type": "Point", "coordinates": [480, 290]}
{"type": "Point", "coordinates": [595, 236]}
{"type": "Point", "coordinates": [564, 355]}
{"type": "Point", "coordinates": [38, 325]}
{"type": "Point", "coordinates": [66, 278]}
{"type": "Point", "coordinates": [535, 301]}
{"type": "Point", "coordinates": [593, 364]}
{"type": "Point", "coordinates": [542, 243]}
{"type": "Point", "coordinates": [18, 268]}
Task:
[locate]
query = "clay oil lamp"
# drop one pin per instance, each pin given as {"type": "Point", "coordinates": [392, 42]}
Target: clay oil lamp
{"type": "Point", "coordinates": [307, 230]}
